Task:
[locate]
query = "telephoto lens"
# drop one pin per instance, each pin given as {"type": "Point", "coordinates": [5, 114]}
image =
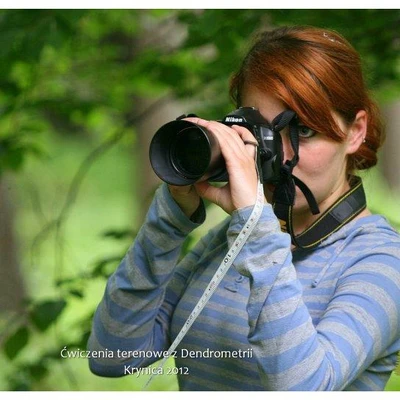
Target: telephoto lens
{"type": "Point", "coordinates": [182, 153]}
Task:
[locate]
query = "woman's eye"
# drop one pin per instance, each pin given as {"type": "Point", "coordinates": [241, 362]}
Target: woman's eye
{"type": "Point", "coordinates": [306, 132]}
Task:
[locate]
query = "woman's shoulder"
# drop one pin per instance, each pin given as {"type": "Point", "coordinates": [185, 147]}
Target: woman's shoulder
{"type": "Point", "coordinates": [370, 238]}
{"type": "Point", "coordinates": [369, 245]}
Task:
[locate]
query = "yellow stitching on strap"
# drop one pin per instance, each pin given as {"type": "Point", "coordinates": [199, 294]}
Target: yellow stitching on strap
{"type": "Point", "coordinates": [336, 229]}
{"type": "Point", "coordinates": [283, 225]}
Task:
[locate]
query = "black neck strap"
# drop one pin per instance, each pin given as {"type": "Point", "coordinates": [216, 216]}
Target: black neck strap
{"type": "Point", "coordinates": [342, 211]}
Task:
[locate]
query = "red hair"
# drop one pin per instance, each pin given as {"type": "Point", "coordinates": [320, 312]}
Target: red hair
{"type": "Point", "coordinates": [313, 72]}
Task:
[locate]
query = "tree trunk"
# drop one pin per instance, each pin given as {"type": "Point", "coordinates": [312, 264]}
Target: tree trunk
{"type": "Point", "coordinates": [11, 286]}
{"type": "Point", "coordinates": [390, 151]}
{"type": "Point", "coordinates": [167, 35]}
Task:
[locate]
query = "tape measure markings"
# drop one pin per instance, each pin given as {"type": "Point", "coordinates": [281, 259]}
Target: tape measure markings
{"type": "Point", "coordinates": [219, 274]}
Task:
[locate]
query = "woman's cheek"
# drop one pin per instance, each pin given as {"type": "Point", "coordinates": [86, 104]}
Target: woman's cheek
{"type": "Point", "coordinates": [316, 157]}
{"type": "Point", "coordinates": [311, 164]}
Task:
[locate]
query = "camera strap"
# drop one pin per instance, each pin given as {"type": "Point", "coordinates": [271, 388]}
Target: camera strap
{"type": "Point", "coordinates": [347, 207]}
{"type": "Point", "coordinates": [342, 211]}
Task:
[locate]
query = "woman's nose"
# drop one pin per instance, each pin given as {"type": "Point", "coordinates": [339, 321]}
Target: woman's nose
{"type": "Point", "coordinates": [287, 147]}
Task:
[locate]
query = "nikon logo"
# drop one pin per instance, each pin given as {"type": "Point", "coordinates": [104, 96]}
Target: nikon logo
{"type": "Point", "coordinates": [233, 119]}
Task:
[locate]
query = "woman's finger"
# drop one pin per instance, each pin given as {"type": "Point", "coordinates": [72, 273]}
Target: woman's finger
{"type": "Point", "coordinates": [248, 139]}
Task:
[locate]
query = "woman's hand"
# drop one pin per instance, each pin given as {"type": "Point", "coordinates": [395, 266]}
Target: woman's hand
{"type": "Point", "coordinates": [241, 191]}
{"type": "Point", "coordinates": [186, 197]}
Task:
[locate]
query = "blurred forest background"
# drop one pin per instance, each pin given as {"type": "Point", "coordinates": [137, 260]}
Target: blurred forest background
{"type": "Point", "coordinates": [81, 94]}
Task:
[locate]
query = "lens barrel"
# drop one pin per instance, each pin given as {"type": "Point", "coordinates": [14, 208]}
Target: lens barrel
{"type": "Point", "coordinates": [182, 153]}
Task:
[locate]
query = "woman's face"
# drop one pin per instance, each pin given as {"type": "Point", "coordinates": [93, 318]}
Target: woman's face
{"type": "Point", "coordinates": [322, 161]}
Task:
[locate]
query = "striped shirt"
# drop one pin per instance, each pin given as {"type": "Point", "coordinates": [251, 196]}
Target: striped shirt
{"type": "Point", "coordinates": [322, 319]}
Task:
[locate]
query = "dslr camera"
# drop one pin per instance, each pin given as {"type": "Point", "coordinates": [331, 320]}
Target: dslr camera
{"type": "Point", "coordinates": [183, 153]}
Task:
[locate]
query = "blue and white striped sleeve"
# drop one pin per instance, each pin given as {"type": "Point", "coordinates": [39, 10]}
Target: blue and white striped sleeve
{"type": "Point", "coordinates": [130, 316]}
{"type": "Point", "coordinates": [361, 322]}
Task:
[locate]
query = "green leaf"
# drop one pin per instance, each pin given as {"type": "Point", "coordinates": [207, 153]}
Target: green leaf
{"type": "Point", "coordinates": [14, 159]}
{"type": "Point", "coordinates": [16, 342]}
{"type": "Point", "coordinates": [20, 380]}
{"type": "Point", "coordinates": [37, 371]}
{"type": "Point", "coordinates": [100, 269]}
{"type": "Point", "coordinates": [76, 293]}
{"type": "Point", "coordinates": [119, 234]}
{"type": "Point", "coordinates": [44, 314]}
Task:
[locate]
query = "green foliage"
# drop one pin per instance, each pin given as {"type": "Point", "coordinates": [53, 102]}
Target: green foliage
{"type": "Point", "coordinates": [16, 342]}
{"type": "Point", "coordinates": [77, 71]}
{"type": "Point", "coordinates": [79, 74]}
{"type": "Point", "coordinates": [44, 314]}
{"type": "Point", "coordinates": [41, 316]}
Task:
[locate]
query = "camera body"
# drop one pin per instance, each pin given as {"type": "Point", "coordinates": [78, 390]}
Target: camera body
{"type": "Point", "coordinates": [182, 152]}
{"type": "Point", "coordinates": [269, 150]}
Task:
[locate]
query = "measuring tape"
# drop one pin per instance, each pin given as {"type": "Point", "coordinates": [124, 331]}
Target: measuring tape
{"type": "Point", "coordinates": [220, 273]}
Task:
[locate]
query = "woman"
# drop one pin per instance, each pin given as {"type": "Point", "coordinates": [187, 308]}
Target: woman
{"type": "Point", "coordinates": [286, 317]}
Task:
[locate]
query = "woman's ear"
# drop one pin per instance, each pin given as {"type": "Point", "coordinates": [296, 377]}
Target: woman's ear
{"type": "Point", "coordinates": [357, 132]}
